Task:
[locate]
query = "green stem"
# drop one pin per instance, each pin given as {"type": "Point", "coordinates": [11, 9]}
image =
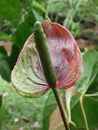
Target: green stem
{"type": "Point", "coordinates": [74, 125]}
{"type": "Point", "coordinates": [83, 112]}
{"type": "Point", "coordinates": [60, 108]}
{"type": "Point", "coordinates": [91, 95]}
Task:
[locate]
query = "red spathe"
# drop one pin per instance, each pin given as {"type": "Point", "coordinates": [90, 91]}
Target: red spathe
{"type": "Point", "coordinates": [65, 54]}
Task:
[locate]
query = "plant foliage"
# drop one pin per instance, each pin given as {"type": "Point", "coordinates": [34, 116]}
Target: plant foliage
{"type": "Point", "coordinates": [82, 100]}
{"type": "Point", "coordinates": [17, 19]}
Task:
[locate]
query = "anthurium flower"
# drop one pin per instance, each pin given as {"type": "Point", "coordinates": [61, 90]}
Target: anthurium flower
{"type": "Point", "coordinates": [28, 77]}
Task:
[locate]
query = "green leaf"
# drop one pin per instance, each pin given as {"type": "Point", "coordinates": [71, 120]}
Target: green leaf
{"type": "Point", "coordinates": [4, 36]}
{"type": "Point", "coordinates": [2, 112]}
{"type": "Point", "coordinates": [50, 106]}
{"type": "Point", "coordinates": [0, 100]}
{"type": "Point", "coordinates": [13, 56]}
{"type": "Point", "coordinates": [4, 68]}
{"type": "Point", "coordinates": [88, 77]}
{"type": "Point", "coordinates": [24, 29]}
{"type": "Point", "coordinates": [90, 71]}
{"type": "Point", "coordinates": [94, 86]}
{"type": "Point", "coordinates": [85, 84]}
{"type": "Point", "coordinates": [91, 110]}
{"type": "Point", "coordinates": [10, 10]}
{"type": "Point", "coordinates": [37, 16]}
{"type": "Point", "coordinates": [77, 116]}
{"type": "Point", "coordinates": [3, 51]}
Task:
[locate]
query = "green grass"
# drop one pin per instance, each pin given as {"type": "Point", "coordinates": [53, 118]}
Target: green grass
{"type": "Point", "coordinates": [20, 113]}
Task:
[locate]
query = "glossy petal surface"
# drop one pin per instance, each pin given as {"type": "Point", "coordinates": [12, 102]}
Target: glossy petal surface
{"type": "Point", "coordinates": [27, 75]}
{"type": "Point", "coordinates": [65, 55]}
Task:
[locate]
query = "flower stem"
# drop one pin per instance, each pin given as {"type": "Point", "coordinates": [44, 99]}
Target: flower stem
{"type": "Point", "coordinates": [48, 69]}
{"type": "Point", "coordinates": [83, 112]}
{"type": "Point", "coordinates": [74, 125]}
{"type": "Point", "coordinates": [60, 108]}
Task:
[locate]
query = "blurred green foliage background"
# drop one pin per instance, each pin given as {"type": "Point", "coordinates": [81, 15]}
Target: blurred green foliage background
{"type": "Point", "coordinates": [16, 24]}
